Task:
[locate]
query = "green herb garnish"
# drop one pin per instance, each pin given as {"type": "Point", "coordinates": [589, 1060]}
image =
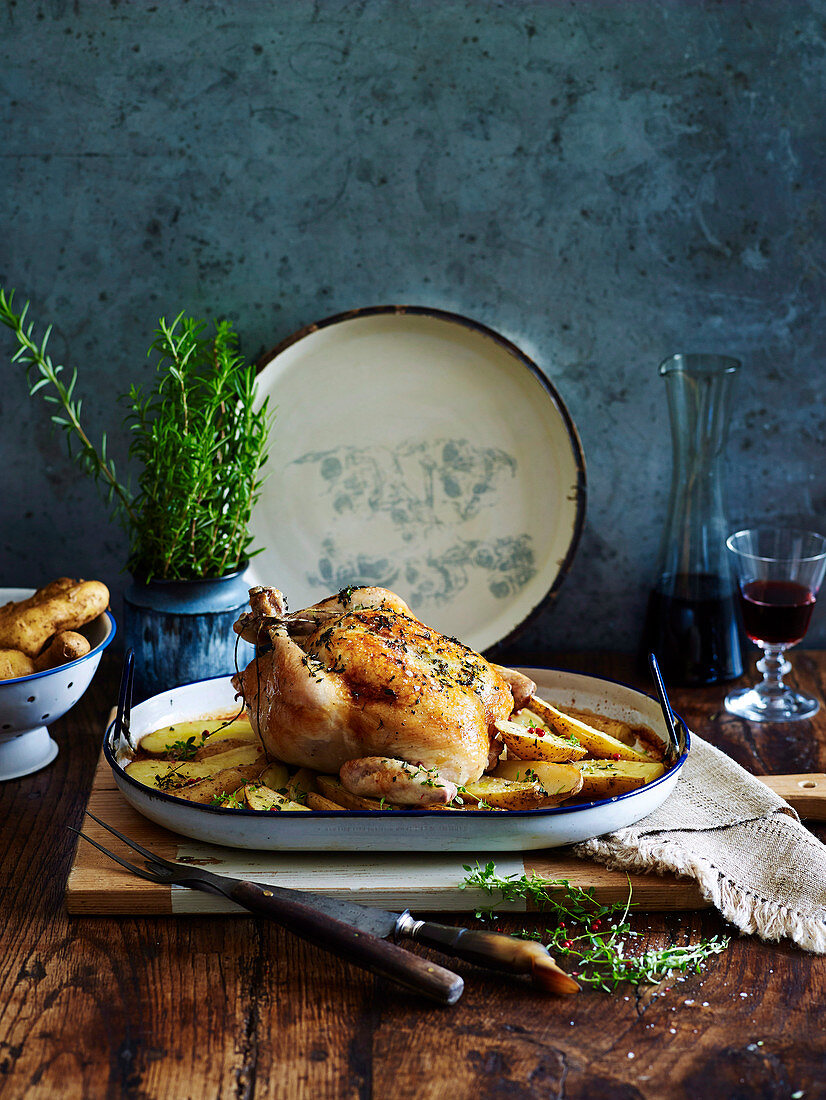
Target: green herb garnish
{"type": "Point", "coordinates": [593, 937]}
{"type": "Point", "coordinates": [183, 750]}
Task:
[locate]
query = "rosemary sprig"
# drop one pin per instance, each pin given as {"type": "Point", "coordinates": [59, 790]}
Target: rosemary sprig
{"type": "Point", "coordinates": [199, 441]}
{"type": "Point", "coordinates": [42, 373]}
{"type": "Point", "coordinates": [592, 936]}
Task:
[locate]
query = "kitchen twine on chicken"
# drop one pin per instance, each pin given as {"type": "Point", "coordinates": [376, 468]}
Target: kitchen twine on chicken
{"type": "Point", "coordinates": [744, 846]}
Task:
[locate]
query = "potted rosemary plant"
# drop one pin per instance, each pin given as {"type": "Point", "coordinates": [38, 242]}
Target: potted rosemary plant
{"type": "Point", "coordinates": [199, 442]}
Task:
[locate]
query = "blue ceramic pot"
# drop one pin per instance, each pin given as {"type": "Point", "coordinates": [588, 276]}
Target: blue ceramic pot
{"type": "Point", "coordinates": [181, 631]}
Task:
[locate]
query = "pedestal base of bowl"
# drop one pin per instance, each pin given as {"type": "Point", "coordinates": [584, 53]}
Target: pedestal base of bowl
{"type": "Point", "coordinates": [26, 752]}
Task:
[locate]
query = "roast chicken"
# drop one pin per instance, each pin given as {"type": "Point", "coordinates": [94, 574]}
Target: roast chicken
{"type": "Point", "coordinates": [358, 685]}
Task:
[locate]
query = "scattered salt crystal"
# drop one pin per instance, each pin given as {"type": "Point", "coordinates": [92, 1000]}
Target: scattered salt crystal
{"type": "Point", "coordinates": [744, 995]}
{"type": "Point", "coordinates": [688, 1002]}
{"type": "Point", "coordinates": [672, 1030]}
{"type": "Point", "coordinates": [798, 1095]}
{"type": "Point", "coordinates": [630, 1054]}
{"type": "Point", "coordinates": [705, 1004]}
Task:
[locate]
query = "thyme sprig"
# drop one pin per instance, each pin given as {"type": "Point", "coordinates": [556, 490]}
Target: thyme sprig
{"type": "Point", "coordinates": [593, 936]}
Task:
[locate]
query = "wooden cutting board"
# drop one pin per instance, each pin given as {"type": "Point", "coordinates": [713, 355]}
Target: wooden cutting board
{"type": "Point", "coordinates": [423, 882]}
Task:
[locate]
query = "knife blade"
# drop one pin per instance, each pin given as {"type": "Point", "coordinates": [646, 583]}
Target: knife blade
{"type": "Point", "coordinates": [493, 950]}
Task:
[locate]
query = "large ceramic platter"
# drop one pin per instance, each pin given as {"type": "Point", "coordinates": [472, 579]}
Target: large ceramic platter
{"type": "Point", "coordinates": [420, 451]}
{"type": "Point", "coordinates": [403, 830]}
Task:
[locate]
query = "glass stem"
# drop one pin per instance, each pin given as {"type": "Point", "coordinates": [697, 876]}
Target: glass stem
{"type": "Point", "coordinates": [774, 667]}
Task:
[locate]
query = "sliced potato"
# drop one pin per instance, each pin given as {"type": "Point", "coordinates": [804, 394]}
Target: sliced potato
{"type": "Point", "coordinates": [331, 787]}
{"type": "Point", "coordinates": [614, 727]}
{"type": "Point", "coordinates": [558, 781]}
{"type": "Point", "coordinates": [275, 776]}
{"type": "Point", "coordinates": [598, 744]}
{"type": "Point", "coordinates": [166, 775]}
{"type": "Point", "coordinates": [542, 745]}
{"type": "Point", "coordinates": [504, 794]}
{"type": "Point", "coordinates": [162, 740]}
{"type": "Point", "coordinates": [221, 786]}
{"type": "Point", "coordinates": [300, 784]}
{"type": "Point", "coordinates": [606, 778]}
{"type": "Point", "coordinates": [213, 747]}
{"type": "Point", "coordinates": [317, 801]}
{"type": "Point", "coordinates": [260, 797]}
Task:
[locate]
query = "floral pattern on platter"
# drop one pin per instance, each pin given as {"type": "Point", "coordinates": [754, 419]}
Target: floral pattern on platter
{"type": "Point", "coordinates": [421, 490]}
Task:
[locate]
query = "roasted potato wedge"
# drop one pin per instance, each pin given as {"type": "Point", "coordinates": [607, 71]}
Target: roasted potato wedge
{"type": "Point", "coordinates": [614, 727]}
{"type": "Point", "coordinates": [598, 744]}
{"type": "Point", "coordinates": [541, 745]}
{"type": "Point", "coordinates": [260, 797]}
{"type": "Point", "coordinates": [275, 776]}
{"type": "Point", "coordinates": [504, 794]}
{"type": "Point", "coordinates": [160, 741]}
{"type": "Point", "coordinates": [214, 747]}
{"type": "Point", "coordinates": [332, 788]}
{"type": "Point", "coordinates": [224, 788]}
{"type": "Point", "coordinates": [300, 784]}
{"type": "Point", "coordinates": [170, 775]}
{"type": "Point", "coordinates": [606, 778]}
{"type": "Point", "coordinates": [558, 781]}
{"type": "Point", "coordinates": [317, 801]}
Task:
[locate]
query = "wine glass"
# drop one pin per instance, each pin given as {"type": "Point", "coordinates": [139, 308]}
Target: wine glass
{"type": "Point", "coordinates": [778, 571]}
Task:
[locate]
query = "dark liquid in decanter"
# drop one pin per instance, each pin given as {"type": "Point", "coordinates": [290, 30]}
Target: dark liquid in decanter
{"type": "Point", "coordinates": [692, 627]}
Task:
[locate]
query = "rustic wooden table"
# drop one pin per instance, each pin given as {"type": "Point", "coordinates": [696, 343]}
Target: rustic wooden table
{"type": "Point", "coordinates": [234, 1007]}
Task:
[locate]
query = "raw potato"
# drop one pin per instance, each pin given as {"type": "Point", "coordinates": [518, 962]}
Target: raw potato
{"type": "Point", "coordinates": [260, 797]}
{"type": "Point", "coordinates": [51, 589]}
{"type": "Point", "coordinates": [607, 778]}
{"type": "Point", "coordinates": [161, 741]}
{"type": "Point", "coordinates": [597, 743]}
{"type": "Point", "coordinates": [13, 663]}
{"type": "Point", "coordinates": [29, 629]}
{"type": "Point", "coordinates": [66, 646]}
{"type": "Point", "coordinates": [531, 746]}
{"type": "Point", "coordinates": [559, 781]}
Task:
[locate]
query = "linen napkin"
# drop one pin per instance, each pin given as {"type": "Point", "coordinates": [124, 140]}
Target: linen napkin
{"type": "Point", "coordinates": [746, 848]}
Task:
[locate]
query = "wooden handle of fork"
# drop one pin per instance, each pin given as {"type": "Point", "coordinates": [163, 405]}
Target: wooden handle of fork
{"type": "Point", "coordinates": [359, 948]}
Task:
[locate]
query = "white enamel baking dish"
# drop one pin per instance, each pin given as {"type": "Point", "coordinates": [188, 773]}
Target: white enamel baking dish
{"type": "Point", "coordinates": [404, 830]}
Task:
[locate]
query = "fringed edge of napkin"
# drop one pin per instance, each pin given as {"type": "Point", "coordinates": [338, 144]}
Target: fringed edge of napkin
{"type": "Point", "coordinates": [746, 911]}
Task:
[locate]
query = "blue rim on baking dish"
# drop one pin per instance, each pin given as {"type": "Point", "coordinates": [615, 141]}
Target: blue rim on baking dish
{"type": "Point", "coordinates": [422, 451]}
{"type": "Point", "coordinates": [414, 830]}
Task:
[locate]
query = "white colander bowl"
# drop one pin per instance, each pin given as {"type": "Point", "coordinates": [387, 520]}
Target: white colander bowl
{"type": "Point", "coordinates": [27, 703]}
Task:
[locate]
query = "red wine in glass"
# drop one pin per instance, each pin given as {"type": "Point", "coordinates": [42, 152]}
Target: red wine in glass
{"type": "Point", "coordinates": [777, 612]}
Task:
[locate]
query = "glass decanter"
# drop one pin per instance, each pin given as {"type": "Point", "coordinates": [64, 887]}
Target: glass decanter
{"type": "Point", "coordinates": [692, 621]}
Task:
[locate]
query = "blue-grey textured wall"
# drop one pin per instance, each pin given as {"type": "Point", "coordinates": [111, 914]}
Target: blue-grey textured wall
{"type": "Point", "coordinates": [604, 183]}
